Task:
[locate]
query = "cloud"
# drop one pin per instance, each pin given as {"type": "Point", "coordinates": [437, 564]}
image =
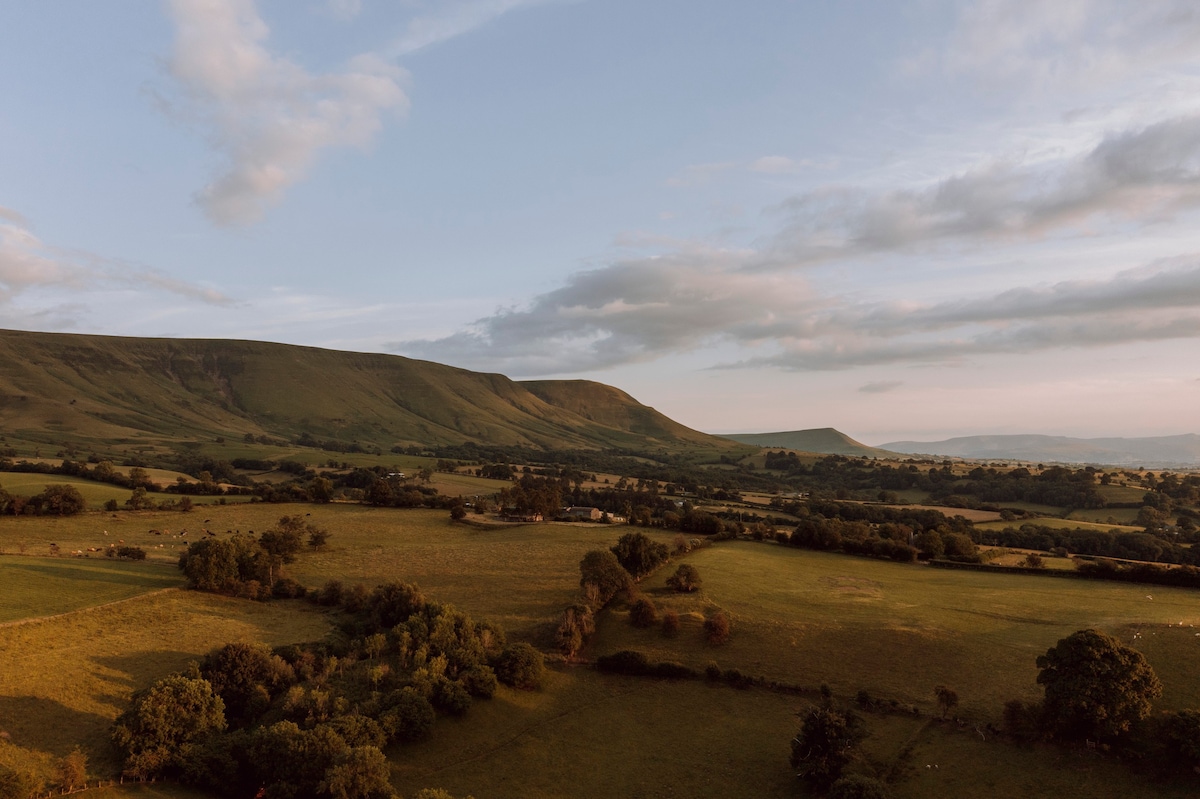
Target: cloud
{"type": "Point", "coordinates": [1071, 43]}
{"type": "Point", "coordinates": [345, 9]}
{"type": "Point", "coordinates": [645, 309]}
{"type": "Point", "coordinates": [267, 116]}
{"type": "Point", "coordinates": [699, 174]}
{"type": "Point", "coordinates": [1143, 175]}
{"type": "Point", "coordinates": [28, 264]}
{"type": "Point", "coordinates": [881, 387]}
{"type": "Point", "coordinates": [630, 311]}
{"type": "Point", "coordinates": [451, 18]}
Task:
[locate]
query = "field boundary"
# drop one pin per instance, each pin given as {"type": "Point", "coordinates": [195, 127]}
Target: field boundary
{"type": "Point", "coordinates": [32, 620]}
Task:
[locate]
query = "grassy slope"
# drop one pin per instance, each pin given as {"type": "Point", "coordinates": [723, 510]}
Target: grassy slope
{"type": "Point", "coordinates": [821, 440]}
{"type": "Point", "coordinates": [93, 389]}
{"type": "Point", "coordinates": [67, 678]}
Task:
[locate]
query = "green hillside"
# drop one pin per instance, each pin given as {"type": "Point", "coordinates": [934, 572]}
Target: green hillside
{"type": "Point", "coordinates": [93, 391]}
{"type": "Point", "coordinates": [823, 440]}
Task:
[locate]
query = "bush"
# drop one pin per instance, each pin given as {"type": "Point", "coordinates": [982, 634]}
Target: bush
{"type": "Point", "coordinates": [686, 579]}
{"type": "Point", "coordinates": [716, 628]}
{"type": "Point", "coordinates": [670, 623]}
{"type": "Point", "coordinates": [643, 613]}
{"type": "Point", "coordinates": [287, 588]}
{"type": "Point", "coordinates": [480, 681]}
{"type": "Point", "coordinates": [449, 696]}
{"type": "Point", "coordinates": [407, 716]}
{"type": "Point", "coordinates": [521, 666]}
{"type": "Point", "coordinates": [627, 661]}
{"type": "Point", "coordinates": [330, 593]}
{"type": "Point", "coordinates": [856, 786]}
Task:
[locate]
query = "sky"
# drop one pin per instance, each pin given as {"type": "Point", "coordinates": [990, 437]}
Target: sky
{"type": "Point", "coordinates": [906, 220]}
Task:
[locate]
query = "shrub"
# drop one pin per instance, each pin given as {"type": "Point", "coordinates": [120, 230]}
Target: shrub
{"type": "Point", "coordinates": [407, 716]}
{"type": "Point", "coordinates": [287, 588]}
{"type": "Point", "coordinates": [627, 661]}
{"type": "Point", "coordinates": [521, 666]}
{"type": "Point", "coordinates": [856, 786]}
{"type": "Point", "coordinates": [330, 593]}
{"type": "Point", "coordinates": [643, 613]}
{"type": "Point", "coordinates": [449, 696]}
{"type": "Point", "coordinates": [716, 628]}
{"type": "Point", "coordinates": [686, 578]}
{"type": "Point", "coordinates": [480, 681]}
{"type": "Point", "coordinates": [670, 623]}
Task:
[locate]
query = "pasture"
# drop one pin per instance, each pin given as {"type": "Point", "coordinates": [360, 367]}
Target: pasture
{"type": "Point", "coordinates": [67, 677]}
{"type": "Point", "coordinates": [35, 587]}
{"type": "Point", "coordinates": [798, 616]}
{"type": "Point", "coordinates": [95, 494]}
{"type": "Point", "coordinates": [898, 630]}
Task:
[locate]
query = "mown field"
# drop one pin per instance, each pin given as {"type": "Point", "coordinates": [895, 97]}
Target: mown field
{"type": "Point", "coordinates": [798, 616]}
{"type": "Point", "coordinates": [36, 587]}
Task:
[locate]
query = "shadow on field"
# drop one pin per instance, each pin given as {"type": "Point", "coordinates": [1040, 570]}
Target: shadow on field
{"type": "Point", "coordinates": [44, 724]}
{"type": "Point", "coordinates": [128, 673]}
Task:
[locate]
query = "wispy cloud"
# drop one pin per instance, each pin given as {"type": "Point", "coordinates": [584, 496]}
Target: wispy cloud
{"type": "Point", "coordinates": [880, 387]}
{"type": "Point", "coordinates": [449, 19]}
{"type": "Point", "coordinates": [28, 264]}
{"type": "Point", "coordinates": [1144, 175]}
{"type": "Point", "coordinates": [265, 115]}
{"type": "Point", "coordinates": [645, 309]}
{"type": "Point", "coordinates": [1072, 44]}
{"type": "Point", "coordinates": [635, 310]}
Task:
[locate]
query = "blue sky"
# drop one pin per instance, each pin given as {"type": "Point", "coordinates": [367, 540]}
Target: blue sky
{"type": "Point", "coordinates": [904, 220]}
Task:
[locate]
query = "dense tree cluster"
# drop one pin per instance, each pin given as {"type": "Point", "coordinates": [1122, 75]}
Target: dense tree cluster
{"type": "Point", "coordinates": [54, 500]}
{"type": "Point", "coordinates": [312, 719]}
{"type": "Point", "coordinates": [249, 566]}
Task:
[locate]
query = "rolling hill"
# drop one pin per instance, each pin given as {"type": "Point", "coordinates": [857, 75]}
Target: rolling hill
{"type": "Point", "coordinates": [823, 440]}
{"type": "Point", "coordinates": [97, 390]}
{"type": "Point", "coordinates": [1159, 451]}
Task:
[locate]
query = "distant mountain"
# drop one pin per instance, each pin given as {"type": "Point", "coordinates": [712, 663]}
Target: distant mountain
{"type": "Point", "coordinates": [1160, 451]}
{"type": "Point", "coordinates": [823, 440]}
{"type": "Point", "coordinates": [89, 391]}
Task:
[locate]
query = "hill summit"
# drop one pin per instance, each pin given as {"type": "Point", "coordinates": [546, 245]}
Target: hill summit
{"type": "Point", "coordinates": [821, 440]}
{"type": "Point", "coordinates": [88, 390]}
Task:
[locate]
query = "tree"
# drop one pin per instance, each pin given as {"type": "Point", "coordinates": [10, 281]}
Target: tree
{"type": "Point", "coordinates": [601, 569]}
{"type": "Point", "coordinates": [1179, 734]}
{"type": "Point", "coordinates": [686, 578]}
{"type": "Point", "coordinates": [139, 499]}
{"type": "Point", "coordinates": [643, 613]}
{"type": "Point", "coordinates": [521, 666]}
{"type": "Point", "coordinates": [246, 677]}
{"type": "Point", "coordinates": [1095, 686]}
{"type": "Point", "coordinates": [58, 500]}
{"type": "Point", "coordinates": [18, 784]}
{"type": "Point", "coordinates": [575, 625]}
{"type": "Point", "coordinates": [164, 719]}
{"type": "Point", "coordinates": [947, 699]}
{"type": "Point", "coordinates": [638, 554]}
{"type": "Point", "coordinates": [825, 744]}
{"type": "Point", "coordinates": [72, 770]}
{"type": "Point", "coordinates": [361, 773]}
{"type": "Point", "coordinates": [716, 628]}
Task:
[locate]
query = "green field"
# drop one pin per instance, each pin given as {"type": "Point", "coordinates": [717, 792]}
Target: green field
{"type": "Point", "coordinates": [899, 630]}
{"type": "Point", "coordinates": [95, 494]}
{"type": "Point", "coordinates": [66, 678]}
{"type": "Point", "coordinates": [35, 587]}
{"type": "Point", "coordinates": [1070, 523]}
{"type": "Point", "coordinates": [798, 616]}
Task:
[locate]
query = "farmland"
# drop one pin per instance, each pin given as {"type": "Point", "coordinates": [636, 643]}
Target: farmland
{"type": "Point", "coordinates": [801, 617]}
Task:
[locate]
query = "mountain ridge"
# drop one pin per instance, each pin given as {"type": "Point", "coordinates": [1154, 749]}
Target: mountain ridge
{"type": "Point", "coordinates": [820, 440]}
{"type": "Point", "coordinates": [1178, 450]}
{"type": "Point", "coordinates": [57, 387]}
